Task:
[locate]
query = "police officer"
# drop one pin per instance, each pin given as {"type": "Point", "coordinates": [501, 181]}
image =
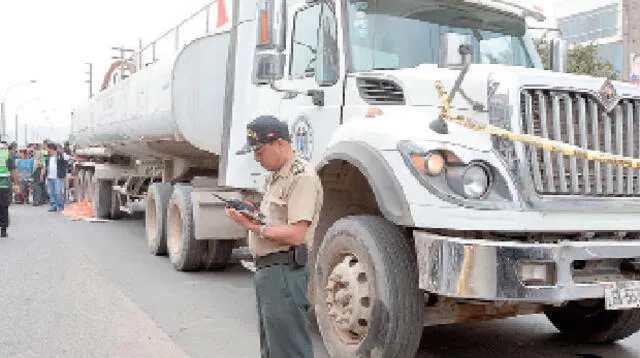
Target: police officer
{"type": "Point", "coordinates": [8, 176]}
{"type": "Point", "coordinates": [291, 204]}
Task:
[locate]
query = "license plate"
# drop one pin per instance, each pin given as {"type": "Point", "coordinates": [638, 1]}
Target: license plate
{"type": "Point", "coordinates": [622, 295]}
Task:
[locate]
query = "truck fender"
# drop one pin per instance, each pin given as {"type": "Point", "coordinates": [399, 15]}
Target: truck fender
{"type": "Point", "coordinates": [386, 187]}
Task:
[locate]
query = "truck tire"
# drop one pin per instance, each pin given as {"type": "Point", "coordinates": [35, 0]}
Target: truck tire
{"type": "Point", "coordinates": [79, 184]}
{"type": "Point", "coordinates": [185, 252]}
{"type": "Point", "coordinates": [88, 186]}
{"type": "Point", "coordinates": [592, 323]}
{"type": "Point", "coordinates": [367, 299]}
{"type": "Point", "coordinates": [102, 198]}
{"type": "Point", "coordinates": [155, 217]}
{"type": "Point", "coordinates": [218, 254]}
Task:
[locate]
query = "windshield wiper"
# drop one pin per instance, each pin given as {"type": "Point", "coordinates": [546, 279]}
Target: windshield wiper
{"type": "Point", "coordinates": [311, 48]}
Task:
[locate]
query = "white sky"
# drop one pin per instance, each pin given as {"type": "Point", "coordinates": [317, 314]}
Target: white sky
{"type": "Point", "coordinates": [51, 40]}
{"type": "Point", "coordinates": [560, 8]}
{"type": "Point", "coordinates": [569, 7]}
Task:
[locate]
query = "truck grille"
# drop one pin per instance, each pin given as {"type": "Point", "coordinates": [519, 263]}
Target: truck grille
{"type": "Point", "coordinates": [380, 91]}
{"type": "Point", "coordinates": [578, 118]}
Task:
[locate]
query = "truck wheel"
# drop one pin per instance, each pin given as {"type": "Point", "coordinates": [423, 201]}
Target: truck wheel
{"type": "Point", "coordinates": [588, 321]}
{"type": "Point", "coordinates": [218, 254]}
{"type": "Point", "coordinates": [79, 184]}
{"type": "Point", "coordinates": [155, 217]}
{"type": "Point", "coordinates": [367, 299]}
{"type": "Point", "coordinates": [102, 198]}
{"type": "Point", "coordinates": [184, 250]}
{"type": "Point", "coordinates": [88, 185]}
{"type": "Point", "coordinates": [115, 213]}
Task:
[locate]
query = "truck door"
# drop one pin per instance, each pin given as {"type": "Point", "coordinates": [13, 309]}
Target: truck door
{"type": "Point", "coordinates": [314, 63]}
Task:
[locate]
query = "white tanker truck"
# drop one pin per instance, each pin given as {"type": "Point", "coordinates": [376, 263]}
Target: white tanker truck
{"type": "Point", "coordinates": [428, 219]}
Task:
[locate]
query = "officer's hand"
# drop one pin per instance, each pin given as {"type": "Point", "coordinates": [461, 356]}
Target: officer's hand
{"type": "Point", "coordinates": [16, 188]}
{"type": "Point", "coordinates": [239, 218]}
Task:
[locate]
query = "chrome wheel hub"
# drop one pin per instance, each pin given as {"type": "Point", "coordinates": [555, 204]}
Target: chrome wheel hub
{"type": "Point", "coordinates": [349, 299]}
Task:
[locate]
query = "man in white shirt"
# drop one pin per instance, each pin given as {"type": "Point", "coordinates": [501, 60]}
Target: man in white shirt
{"type": "Point", "coordinates": [56, 172]}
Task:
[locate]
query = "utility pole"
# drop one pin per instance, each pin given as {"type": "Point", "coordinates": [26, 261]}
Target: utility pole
{"type": "Point", "coordinates": [122, 53]}
{"type": "Point", "coordinates": [630, 35]}
{"type": "Point", "coordinates": [140, 65]}
{"type": "Point", "coordinates": [3, 119]}
{"type": "Point", "coordinates": [90, 79]}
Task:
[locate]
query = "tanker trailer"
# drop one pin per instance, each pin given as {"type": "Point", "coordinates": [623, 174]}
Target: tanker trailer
{"type": "Point", "coordinates": [152, 142]}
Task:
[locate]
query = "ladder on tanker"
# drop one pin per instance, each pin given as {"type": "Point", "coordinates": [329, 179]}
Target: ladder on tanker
{"type": "Point", "coordinates": [212, 18]}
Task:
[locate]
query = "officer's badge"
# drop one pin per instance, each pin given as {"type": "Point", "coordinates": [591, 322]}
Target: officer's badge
{"type": "Point", "coordinates": [302, 137]}
{"type": "Point", "coordinates": [252, 134]}
{"type": "Point", "coordinates": [297, 167]}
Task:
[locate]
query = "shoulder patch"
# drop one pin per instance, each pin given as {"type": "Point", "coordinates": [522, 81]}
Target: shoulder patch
{"type": "Point", "coordinates": [297, 167]}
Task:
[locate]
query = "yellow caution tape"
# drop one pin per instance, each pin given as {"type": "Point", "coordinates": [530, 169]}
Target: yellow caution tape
{"type": "Point", "coordinates": [544, 143]}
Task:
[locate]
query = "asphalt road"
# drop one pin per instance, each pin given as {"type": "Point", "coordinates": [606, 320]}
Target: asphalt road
{"type": "Point", "coordinates": [78, 289]}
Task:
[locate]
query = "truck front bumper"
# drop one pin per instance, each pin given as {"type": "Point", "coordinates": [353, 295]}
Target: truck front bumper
{"type": "Point", "coordinates": [488, 270]}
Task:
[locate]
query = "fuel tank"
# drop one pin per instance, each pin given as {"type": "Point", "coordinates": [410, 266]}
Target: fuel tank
{"type": "Point", "coordinates": [172, 108]}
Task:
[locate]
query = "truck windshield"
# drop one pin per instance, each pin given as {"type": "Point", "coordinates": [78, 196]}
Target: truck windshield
{"type": "Point", "coordinates": [392, 34]}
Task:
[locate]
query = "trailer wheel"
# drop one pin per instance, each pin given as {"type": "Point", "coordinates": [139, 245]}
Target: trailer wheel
{"type": "Point", "coordinates": [218, 254]}
{"type": "Point", "coordinates": [155, 217]}
{"type": "Point", "coordinates": [102, 198]}
{"type": "Point", "coordinates": [88, 185]}
{"type": "Point", "coordinates": [589, 322]}
{"type": "Point", "coordinates": [79, 184]}
{"type": "Point", "coordinates": [367, 299]}
{"type": "Point", "coordinates": [185, 252]}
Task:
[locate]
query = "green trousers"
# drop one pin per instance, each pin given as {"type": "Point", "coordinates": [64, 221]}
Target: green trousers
{"type": "Point", "coordinates": [282, 309]}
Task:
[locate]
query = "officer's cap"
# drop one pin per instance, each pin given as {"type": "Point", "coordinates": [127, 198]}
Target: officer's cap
{"type": "Point", "coordinates": [262, 130]}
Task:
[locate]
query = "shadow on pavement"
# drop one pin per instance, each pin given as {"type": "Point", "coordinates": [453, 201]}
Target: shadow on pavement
{"type": "Point", "coordinates": [524, 337]}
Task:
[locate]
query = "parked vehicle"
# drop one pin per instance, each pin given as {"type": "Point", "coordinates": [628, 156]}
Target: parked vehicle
{"type": "Point", "coordinates": [425, 221]}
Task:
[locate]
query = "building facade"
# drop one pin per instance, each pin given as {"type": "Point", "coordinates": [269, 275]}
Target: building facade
{"type": "Point", "coordinates": [610, 24]}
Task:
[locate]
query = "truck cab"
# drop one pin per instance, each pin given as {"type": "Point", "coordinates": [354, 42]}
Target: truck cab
{"type": "Point", "coordinates": [495, 227]}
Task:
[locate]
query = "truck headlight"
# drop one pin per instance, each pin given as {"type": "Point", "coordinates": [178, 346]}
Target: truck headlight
{"type": "Point", "coordinates": [475, 183]}
{"type": "Point", "coordinates": [476, 180]}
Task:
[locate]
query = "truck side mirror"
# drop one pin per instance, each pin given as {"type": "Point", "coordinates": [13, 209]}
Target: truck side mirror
{"type": "Point", "coordinates": [558, 54]}
{"type": "Point", "coordinates": [271, 36]}
{"type": "Point", "coordinates": [451, 44]}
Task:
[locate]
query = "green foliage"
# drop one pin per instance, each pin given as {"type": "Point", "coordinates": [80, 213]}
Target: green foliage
{"type": "Point", "coordinates": [543, 49]}
{"type": "Point", "coordinates": [582, 60]}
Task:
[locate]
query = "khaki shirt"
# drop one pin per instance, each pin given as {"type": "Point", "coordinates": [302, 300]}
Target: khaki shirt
{"type": "Point", "coordinates": [292, 194]}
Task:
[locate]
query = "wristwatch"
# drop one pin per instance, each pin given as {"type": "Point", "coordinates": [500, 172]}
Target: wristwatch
{"type": "Point", "coordinates": [262, 228]}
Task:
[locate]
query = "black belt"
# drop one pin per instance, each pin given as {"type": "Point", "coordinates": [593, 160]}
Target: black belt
{"type": "Point", "coordinates": [276, 258]}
